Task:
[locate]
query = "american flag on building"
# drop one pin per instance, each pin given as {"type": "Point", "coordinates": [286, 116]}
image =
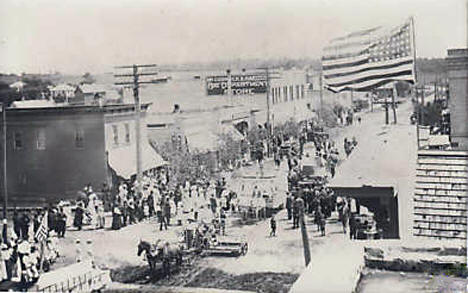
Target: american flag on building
{"type": "Point", "coordinates": [42, 231]}
{"type": "Point", "coordinates": [368, 59]}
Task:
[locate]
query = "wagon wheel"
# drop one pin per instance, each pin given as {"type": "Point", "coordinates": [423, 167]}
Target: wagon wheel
{"type": "Point", "coordinates": [245, 248]}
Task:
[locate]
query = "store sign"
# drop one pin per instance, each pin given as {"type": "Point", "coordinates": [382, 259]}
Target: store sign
{"type": "Point", "coordinates": [240, 84]}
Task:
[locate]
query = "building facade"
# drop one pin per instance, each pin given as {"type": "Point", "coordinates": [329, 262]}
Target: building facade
{"type": "Point", "coordinates": [458, 102]}
{"type": "Point", "coordinates": [54, 152]}
{"type": "Point", "coordinates": [440, 196]}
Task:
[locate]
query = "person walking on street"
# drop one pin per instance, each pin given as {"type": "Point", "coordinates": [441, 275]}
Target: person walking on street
{"type": "Point", "coordinates": [25, 221]}
{"type": "Point", "coordinates": [161, 219]}
{"type": "Point", "coordinates": [79, 213]}
{"type": "Point", "coordinates": [289, 204]}
{"type": "Point", "coordinates": [17, 223]}
{"type": "Point", "coordinates": [167, 212]}
{"type": "Point", "coordinates": [272, 226]}
{"type": "Point", "coordinates": [322, 221]}
{"type": "Point", "coordinates": [352, 227]}
{"type": "Point", "coordinates": [62, 223]}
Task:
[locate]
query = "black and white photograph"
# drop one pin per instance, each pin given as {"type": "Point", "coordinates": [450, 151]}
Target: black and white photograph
{"type": "Point", "coordinates": [234, 146]}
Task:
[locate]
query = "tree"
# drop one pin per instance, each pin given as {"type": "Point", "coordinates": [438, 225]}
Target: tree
{"type": "Point", "coordinates": [230, 150]}
{"type": "Point", "coordinates": [88, 78]}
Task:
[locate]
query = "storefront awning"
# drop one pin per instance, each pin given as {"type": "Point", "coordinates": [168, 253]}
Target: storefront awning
{"type": "Point", "coordinates": [123, 159]}
{"type": "Point", "coordinates": [229, 129]}
{"type": "Point", "coordinates": [202, 142]}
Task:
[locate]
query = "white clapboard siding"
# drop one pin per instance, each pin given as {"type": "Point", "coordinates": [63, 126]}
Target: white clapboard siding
{"type": "Point", "coordinates": [441, 194]}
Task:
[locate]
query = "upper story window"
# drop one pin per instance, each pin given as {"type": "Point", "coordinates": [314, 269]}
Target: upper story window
{"type": "Point", "coordinates": [115, 134]}
{"type": "Point", "coordinates": [127, 133]}
{"type": "Point", "coordinates": [79, 138]}
{"type": "Point", "coordinates": [41, 139]}
{"type": "Point", "coordinates": [17, 140]}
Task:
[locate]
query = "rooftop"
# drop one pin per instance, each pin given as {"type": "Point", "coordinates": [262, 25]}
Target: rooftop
{"type": "Point", "coordinates": [74, 109]}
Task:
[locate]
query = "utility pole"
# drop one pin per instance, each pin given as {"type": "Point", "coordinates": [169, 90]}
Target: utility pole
{"type": "Point", "coordinates": [321, 94]}
{"type": "Point", "coordinates": [268, 118]}
{"type": "Point", "coordinates": [5, 187]}
{"type": "Point", "coordinates": [136, 85]}
{"type": "Point", "coordinates": [229, 84]}
{"type": "Point", "coordinates": [395, 92]}
{"type": "Point", "coordinates": [305, 240]}
{"type": "Point", "coordinates": [386, 108]}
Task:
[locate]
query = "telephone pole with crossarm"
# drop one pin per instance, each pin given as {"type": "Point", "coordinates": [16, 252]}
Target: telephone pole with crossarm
{"type": "Point", "coordinates": [135, 75]}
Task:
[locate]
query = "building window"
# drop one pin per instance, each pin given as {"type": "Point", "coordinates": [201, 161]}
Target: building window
{"type": "Point", "coordinates": [22, 179]}
{"type": "Point", "coordinates": [285, 93]}
{"type": "Point", "coordinates": [302, 91]}
{"type": "Point", "coordinates": [115, 133]}
{"type": "Point", "coordinates": [41, 139]}
{"type": "Point", "coordinates": [18, 140]}
{"type": "Point", "coordinates": [291, 92]}
{"type": "Point", "coordinates": [127, 133]}
{"type": "Point", "coordinates": [79, 138]}
{"type": "Point", "coordinates": [298, 94]}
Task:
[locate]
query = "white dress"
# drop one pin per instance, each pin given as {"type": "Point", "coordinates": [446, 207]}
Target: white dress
{"type": "Point", "coordinates": [4, 256]}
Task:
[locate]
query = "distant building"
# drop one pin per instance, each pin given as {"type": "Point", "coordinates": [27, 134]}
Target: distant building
{"type": "Point", "coordinates": [19, 85]}
{"type": "Point", "coordinates": [88, 94]}
{"type": "Point", "coordinates": [289, 97]}
{"type": "Point", "coordinates": [54, 152]}
{"type": "Point", "coordinates": [61, 93]}
{"type": "Point", "coordinates": [458, 102]}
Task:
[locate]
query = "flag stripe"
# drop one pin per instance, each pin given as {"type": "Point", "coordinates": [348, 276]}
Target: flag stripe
{"type": "Point", "coordinates": [369, 87]}
{"type": "Point", "coordinates": [42, 231]}
{"type": "Point", "coordinates": [366, 65]}
{"type": "Point", "coordinates": [371, 77]}
{"type": "Point", "coordinates": [345, 65]}
{"type": "Point", "coordinates": [371, 84]}
{"type": "Point", "coordinates": [368, 74]}
{"type": "Point", "coordinates": [366, 68]}
{"type": "Point", "coordinates": [362, 43]}
{"type": "Point", "coordinates": [345, 55]}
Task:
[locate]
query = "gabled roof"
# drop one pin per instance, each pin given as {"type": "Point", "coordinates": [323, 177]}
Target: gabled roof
{"type": "Point", "coordinates": [62, 87]}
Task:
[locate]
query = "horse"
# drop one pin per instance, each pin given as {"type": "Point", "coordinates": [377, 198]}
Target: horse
{"type": "Point", "coordinates": [161, 252]}
{"type": "Point", "coordinates": [151, 253]}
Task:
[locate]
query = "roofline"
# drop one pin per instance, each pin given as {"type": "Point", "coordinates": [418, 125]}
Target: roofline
{"type": "Point", "coordinates": [77, 109]}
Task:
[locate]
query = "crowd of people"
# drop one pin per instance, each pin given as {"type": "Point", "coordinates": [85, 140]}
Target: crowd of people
{"type": "Point", "coordinates": [314, 197]}
{"type": "Point", "coordinates": [172, 203]}
{"type": "Point", "coordinates": [22, 256]}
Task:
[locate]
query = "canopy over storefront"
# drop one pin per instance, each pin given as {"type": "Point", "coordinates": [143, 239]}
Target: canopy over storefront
{"type": "Point", "coordinates": [123, 160]}
{"type": "Point", "coordinates": [203, 142]}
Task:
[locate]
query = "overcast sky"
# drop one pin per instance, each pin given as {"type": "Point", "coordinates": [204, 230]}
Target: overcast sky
{"type": "Point", "coordinates": [93, 35]}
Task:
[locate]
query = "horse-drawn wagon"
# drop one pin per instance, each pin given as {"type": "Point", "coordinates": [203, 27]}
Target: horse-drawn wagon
{"type": "Point", "coordinates": [227, 245]}
{"type": "Point", "coordinates": [206, 241]}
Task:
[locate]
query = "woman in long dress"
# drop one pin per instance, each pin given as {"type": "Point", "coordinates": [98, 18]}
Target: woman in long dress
{"type": "Point", "coordinates": [4, 256]}
{"type": "Point", "coordinates": [116, 217]}
{"type": "Point", "coordinates": [79, 213]}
